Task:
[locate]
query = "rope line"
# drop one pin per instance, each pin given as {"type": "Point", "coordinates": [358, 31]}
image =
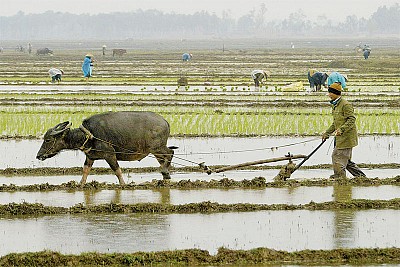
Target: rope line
{"type": "Point", "coordinates": [250, 150]}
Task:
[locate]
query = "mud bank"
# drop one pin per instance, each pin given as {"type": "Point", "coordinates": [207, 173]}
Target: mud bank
{"type": "Point", "coordinates": [196, 257]}
{"type": "Point", "coordinates": [203, 207]}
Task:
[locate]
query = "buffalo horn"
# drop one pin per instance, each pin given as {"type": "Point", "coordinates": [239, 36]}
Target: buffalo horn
{"type": "Point", "coordinates": [61, 127]}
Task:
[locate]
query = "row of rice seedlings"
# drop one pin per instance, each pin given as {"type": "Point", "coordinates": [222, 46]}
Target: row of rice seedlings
{"type": "Point", "coordinates": [27, 109]}
{"type": "Point", "coordinates": [207, 122]}
{"type": "Point", "coordinates": [177, 109]}
{"type": "Point", "coordinates": [379, 124]}
{"type": "Point", "coordinates": [278, 124]}
{"type": "Point", "coordinates": [188, 97]}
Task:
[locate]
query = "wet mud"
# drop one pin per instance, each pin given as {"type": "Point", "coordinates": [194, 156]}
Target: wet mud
{"type": "Point", "coordinates": [196, 257]}
{"type": "Point", "coordinates": [258, 182]}
{"type": "Point", "coordinates": [202, 207]}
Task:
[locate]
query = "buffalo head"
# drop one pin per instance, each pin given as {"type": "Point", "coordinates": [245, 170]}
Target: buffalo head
{"type": "Point", "coordinates": [54, 141]}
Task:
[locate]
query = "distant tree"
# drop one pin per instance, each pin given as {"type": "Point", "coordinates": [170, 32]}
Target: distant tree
{"type": "Point", "coordinates": [386, 20]}
{"type": "Point", "coordinates": [350, 26]}
{"type": "Point", "coordinates": [246, 23]}
{"type": "Point", "coordinates": [296, 24]}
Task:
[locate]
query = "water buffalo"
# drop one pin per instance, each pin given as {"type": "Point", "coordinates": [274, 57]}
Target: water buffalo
{"type": "Point", "coordinates": [119, 52]}
{"type": "Point", "coordinates": [43, 51]}
{"type": "Point", "coordinates": [112, 136]}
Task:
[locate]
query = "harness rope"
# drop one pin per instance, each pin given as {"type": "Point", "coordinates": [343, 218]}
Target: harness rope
{"type": "Point", "coordinates": [89, 136]}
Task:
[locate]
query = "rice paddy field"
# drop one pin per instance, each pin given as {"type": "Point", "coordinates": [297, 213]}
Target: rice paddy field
{"type": "Point", "coordinates": [238, 217]}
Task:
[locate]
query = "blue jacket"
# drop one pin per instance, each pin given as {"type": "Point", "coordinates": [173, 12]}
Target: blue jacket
{"type": "Point", "coordinates": [335, 77]}
{"type": "Point", "coordinates": [86, 67]}
{"type": "Point", "coordinates": [186, 57]}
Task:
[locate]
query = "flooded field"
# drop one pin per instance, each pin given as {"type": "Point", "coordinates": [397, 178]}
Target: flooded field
{"type": "Point", "coordinates": [281, 230]}
{"type": "Point", "coordinates": [218, 119]}
{"type": "Point", "coordinates": [215, 151]}
{"type": "Point", "coordinates": [293, 196]}
{"type": "Point", "coordinates": [290, 231]}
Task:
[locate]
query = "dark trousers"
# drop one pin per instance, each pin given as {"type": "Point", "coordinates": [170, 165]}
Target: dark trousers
{"type": "Point", "coordinates": [55, 78]}
{"type": "Point", "coordinates": [259, 77]}
{"type": "Point", "coordinates": [341, 161]}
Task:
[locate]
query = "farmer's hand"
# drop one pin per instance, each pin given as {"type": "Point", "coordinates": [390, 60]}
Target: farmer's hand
{"type": "Point", "coordinates": [325, 136]}
{"type": "Point", "coordinates": [338, 132]}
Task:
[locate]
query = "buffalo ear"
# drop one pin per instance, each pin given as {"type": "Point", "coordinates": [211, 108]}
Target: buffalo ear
{"type": "Point", "coordinates": [61, 127]}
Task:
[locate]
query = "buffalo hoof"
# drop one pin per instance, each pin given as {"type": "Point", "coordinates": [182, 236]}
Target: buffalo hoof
{"type": "Point", "coordinates": [166, 176]}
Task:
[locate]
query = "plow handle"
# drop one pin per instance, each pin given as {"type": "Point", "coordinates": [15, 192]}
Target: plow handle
{"type": "Point", "coordinates": [306, 158]}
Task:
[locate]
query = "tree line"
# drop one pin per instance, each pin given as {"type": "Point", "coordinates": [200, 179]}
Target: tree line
{"type": "Point", "coordinates": [156, 24]}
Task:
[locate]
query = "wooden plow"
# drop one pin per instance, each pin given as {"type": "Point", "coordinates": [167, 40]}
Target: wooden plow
{"type": "Point", "coordinates": [283, 174]}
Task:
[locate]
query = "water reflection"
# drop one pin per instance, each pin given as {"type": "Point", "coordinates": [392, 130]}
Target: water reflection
{"type": "Point", "coordinates": [165, 194]}
{"type": "Point", "coordinates": [344, 218]}
{"type": "Point", "coordinates": [93, 197]}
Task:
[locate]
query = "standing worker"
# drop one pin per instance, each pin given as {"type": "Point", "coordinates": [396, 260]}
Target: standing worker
{"type": "Point", "coordinates": [87, 66]}
{"type": "Point", "coordinates": [258, 76]}
{"type": "Point", "coordinates": [104, 47]}
{"type": "Point", "coordinates": [317, 79]}
{"type": "Point", "coordinates": [366, 51]}
{"type": "Point", "coordinates": [345, 132]}
{"type": "Point", "coordinates": [55, 75]}
{"type": "Point", "coordinates": [29, 48]}
{"type": "Point", "coordinates": [336, 77]}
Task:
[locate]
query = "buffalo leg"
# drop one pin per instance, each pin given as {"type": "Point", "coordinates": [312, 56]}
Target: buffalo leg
{"type": "Point", "coordinates": [86, 169]}
{"type": "Point", "coordinates": [112, 161]}
{"type": "Point", "coordinates": [164, 157]}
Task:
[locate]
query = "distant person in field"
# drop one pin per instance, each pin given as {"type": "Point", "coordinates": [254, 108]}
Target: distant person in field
{"type": "Point", "coordinates": [258, 76]}
{"type": "Point", "coordinates": [55, 75]}
{"type": "Point", "coordinates": [187, 57]}
{"type": "Point", "coordinates": [366, 51]}
{"type": "Point", "coordinates": [87, 66]}
{"type": "Point", "coordinates": [336, 77]}
{"type": "Point", "coordinates": [29, 48]}
{"type": "Point", "coordinates": [317, 80]}
{"type": "Point", "coordinates": [366, 54]}
{"type": "Point", "coordinates": [104, 47]}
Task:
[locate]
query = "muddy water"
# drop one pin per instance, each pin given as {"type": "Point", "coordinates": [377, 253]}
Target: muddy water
{"type": "Point", "coordinates": [283, 230]}
{"type": "Point", "coordinates": [214, 151]}
{"type": "Point", "coordinates": [299, 195]}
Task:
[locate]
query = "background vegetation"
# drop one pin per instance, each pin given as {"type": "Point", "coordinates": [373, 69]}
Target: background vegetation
{"type": "Point", "coordinates": [156, 24]}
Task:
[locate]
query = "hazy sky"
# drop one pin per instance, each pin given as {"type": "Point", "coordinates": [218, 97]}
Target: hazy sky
{"type": "Point", "coordinates": [275, 8]}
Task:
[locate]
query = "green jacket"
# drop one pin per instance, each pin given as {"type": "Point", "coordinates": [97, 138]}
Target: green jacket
{"type": "Point", "coordinates": [343, 118]}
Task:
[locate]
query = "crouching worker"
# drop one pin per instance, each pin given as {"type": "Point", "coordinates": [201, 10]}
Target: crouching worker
{"type": "Point", "coordinates": [336, 77]}
{"type": "Point", "coordinates": [187, 57]}
{"type": "Point", "coordinates": [317, 80]}
{"type": "Point", "coordinates": [55, 75]}
{"type": "Point", "coordinates": [345, 132]}
{"type": "Point", "coordinates": [258, 76]}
